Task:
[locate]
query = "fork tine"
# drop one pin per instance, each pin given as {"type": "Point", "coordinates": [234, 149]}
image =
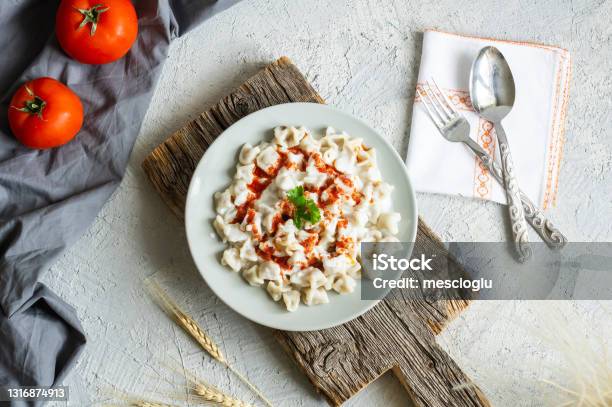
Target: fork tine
{"type": "Point", "coordinates": [444, 117]}
{"type": "Point", "coordinates": [435, 117]}
{"type": "Point", "coordinates": [436, 97]}
{"type": "Point", "coordinates": [444, 97]}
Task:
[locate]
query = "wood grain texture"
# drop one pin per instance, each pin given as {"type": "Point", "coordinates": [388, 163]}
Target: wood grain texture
{"type": "Point", "coordinates": [397, 334]}
{"type": "Point", "coordinates": [171, 164]}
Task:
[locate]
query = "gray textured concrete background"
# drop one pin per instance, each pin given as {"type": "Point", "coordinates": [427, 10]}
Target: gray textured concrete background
{"type": "Point", "coordinates": [362, 56]}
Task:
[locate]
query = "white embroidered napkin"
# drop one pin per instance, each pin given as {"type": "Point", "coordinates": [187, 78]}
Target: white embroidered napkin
{"type": "Point", "coordinates": [535, 126]}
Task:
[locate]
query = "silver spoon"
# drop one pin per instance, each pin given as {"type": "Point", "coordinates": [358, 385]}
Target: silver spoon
{"type": "Point", "coordinates": [492, 94]}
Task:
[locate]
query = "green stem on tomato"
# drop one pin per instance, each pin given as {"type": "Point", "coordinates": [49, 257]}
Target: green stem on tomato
{"type": "Point", "coordinates": [92, 15]}
{"type": "Point", "coordinates": [32, 106]}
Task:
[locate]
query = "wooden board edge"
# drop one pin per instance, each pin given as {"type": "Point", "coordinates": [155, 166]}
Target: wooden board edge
{"type": "Point", "coordinates": [160, 151]}
{"type": "Point", "coordinates": [482, 399]}
{"type": "Point", "coordinates": [148, 166]}
{"type": "Point", "coordinates": [453, 307]}
{"type": "Point", "coordinates": [281, 62]}
{"type": "Point", "coordinates": [282, 339]}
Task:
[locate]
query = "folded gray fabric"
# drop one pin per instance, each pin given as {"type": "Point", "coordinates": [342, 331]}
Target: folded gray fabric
{"type": "Point", "coordinates": [48, 198]}
{"type": "Point", "coordinates": [40, 341]}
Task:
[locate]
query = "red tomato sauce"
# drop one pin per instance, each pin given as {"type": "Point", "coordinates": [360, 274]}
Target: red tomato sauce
{"type": "Point", "coordinates": [309, 243]}
{"type": "Point", "coordinates": [267, 254]}
{"type": "Point", "coordinates": [263, 178]}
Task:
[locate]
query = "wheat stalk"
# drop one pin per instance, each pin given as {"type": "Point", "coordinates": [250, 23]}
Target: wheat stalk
{"type": "Point", "coordinates": [587, 360]}
{"type": "Point", "coordinates": [581, 375]}
{"type": "Point", "coordinates": [212, 394]}
{"type": "Point", "coordinates": [205, 392]}
{"type": "Point", "coordinates": [190, 326]}
{"type": "Point", "coordinates": [135, 401]}
{"type": "Point", "coordinates": [194, 330]}
{"type": "Point", "coordinates": [186, 322]}
{"type": "Point", "coordinates": [139, 403]}
{"type": "Point", "coordinates": [143, 403]}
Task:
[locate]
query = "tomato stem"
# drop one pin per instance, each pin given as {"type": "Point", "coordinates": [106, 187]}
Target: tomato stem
{"type": "Point", "coordinates": [92, 15]}
{"type": "Point", "coordinates": [33, 106]}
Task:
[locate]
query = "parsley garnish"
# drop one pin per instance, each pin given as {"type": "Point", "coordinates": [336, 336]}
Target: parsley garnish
{"type": "Point", "coordinates": [305, 209]}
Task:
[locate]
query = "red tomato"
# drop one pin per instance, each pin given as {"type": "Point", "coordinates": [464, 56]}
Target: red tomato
{"type": "Point", "coordinates": [96, 31]}
{"type": "Point", "coordinates": [45, 113]}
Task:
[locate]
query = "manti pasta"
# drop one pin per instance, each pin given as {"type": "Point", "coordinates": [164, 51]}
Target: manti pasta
{"type": "Point", "coordinates": [345, 202]}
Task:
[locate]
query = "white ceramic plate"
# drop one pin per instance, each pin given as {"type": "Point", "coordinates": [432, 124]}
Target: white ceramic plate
{"type": "Point", "coordinates": [215, 172]}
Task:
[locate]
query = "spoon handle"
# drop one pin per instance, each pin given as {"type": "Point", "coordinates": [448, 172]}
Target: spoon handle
{"type": "Point", "coordinates": [513, 195]}
{"type": "Point", "coordinates": [534, 216]}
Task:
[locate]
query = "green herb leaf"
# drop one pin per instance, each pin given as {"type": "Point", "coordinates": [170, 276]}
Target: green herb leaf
{"type": "Point", "coordinates": [297, 220]}
{"type": "Point", "coordinates": [305, 209]}
{"type": "Point", "coordinates": [314, 215]}
{"type": "Point", "coordinates": [296, 196]}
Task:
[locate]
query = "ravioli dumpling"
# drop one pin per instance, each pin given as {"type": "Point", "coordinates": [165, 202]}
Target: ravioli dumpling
{"type": "Point", "coordinates": [248, 153]}
{"type": "Point", "coordinates": [314, 296]}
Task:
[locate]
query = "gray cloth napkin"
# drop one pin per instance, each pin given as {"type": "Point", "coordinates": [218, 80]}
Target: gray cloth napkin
{"type": "Point", "coordinates": [48, 198]}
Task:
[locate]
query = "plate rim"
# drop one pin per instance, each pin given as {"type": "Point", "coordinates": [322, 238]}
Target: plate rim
{"type": "Point", "coordinates": [394, 153]}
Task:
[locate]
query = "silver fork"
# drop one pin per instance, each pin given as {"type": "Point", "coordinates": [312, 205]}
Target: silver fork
{"type": "Point", "coordinates": [454, 127]}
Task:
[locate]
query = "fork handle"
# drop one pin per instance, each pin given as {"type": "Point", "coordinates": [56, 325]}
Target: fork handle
{"type": "Point", "coordinates": [543, 226]}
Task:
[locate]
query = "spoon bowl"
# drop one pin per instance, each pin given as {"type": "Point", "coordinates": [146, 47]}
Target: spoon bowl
{"type": "Point", "coordinates": [492, 92]}
{"type": "Point", "coordinates": [491, 85]}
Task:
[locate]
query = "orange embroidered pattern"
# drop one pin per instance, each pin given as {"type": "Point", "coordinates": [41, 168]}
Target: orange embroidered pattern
{"type": "Point", "coordinates": [460, 99]}
{"type": "Point", "coordinates": [482, 179]}
{"type": "Point", "coordinates": [562, 130]}
{"type": "Point", "coordinates": [557, 132]}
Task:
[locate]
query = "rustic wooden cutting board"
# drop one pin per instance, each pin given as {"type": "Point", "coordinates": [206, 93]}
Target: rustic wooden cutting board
{"type": "Point", "coordinates": [398, 334]}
